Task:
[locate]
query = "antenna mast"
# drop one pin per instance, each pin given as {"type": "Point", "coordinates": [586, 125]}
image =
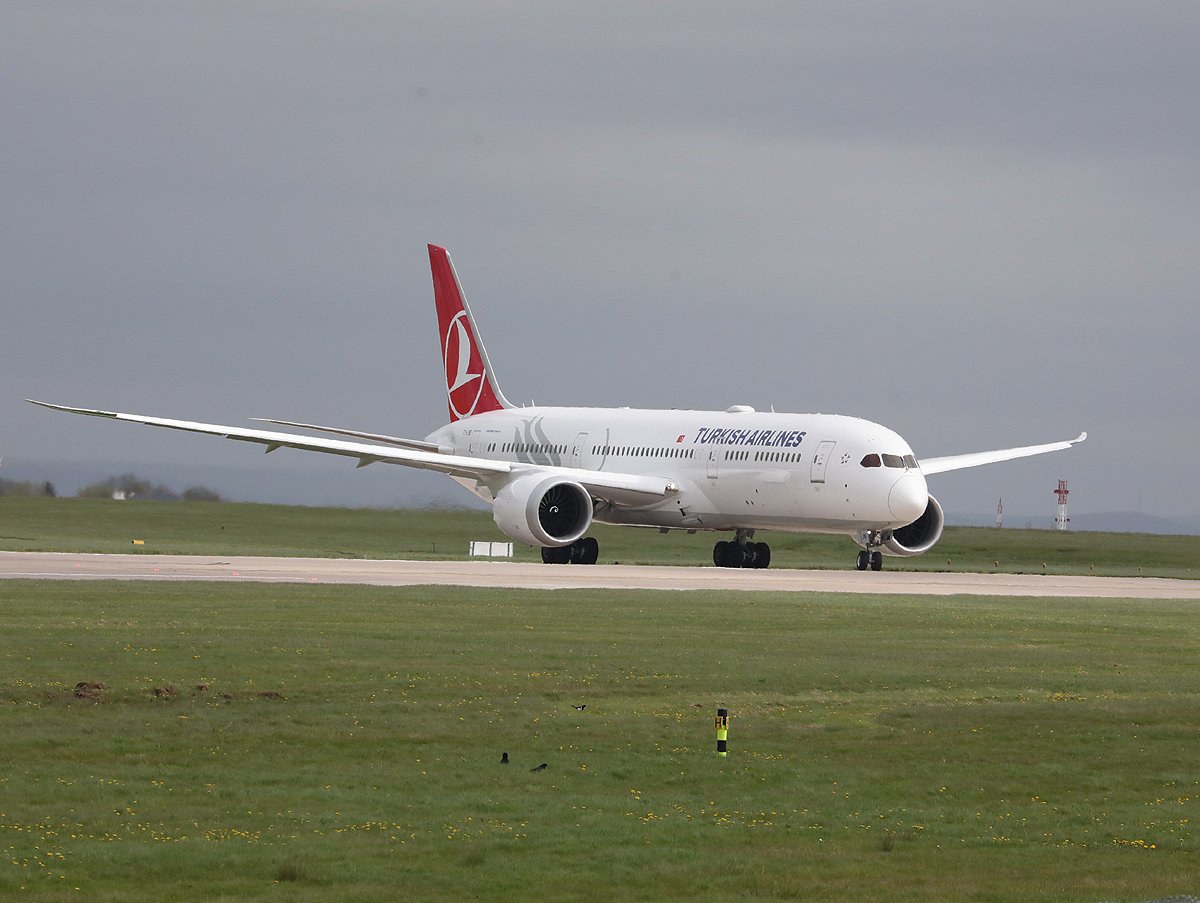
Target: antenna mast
{"type": "Point", "coordinates": [1061, 520]}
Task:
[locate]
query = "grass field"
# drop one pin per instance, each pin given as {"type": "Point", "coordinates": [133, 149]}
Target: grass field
{"type": "Point", "coordinates": [89, 525]}
{"type": "Point", "coordinates": [343, 744]}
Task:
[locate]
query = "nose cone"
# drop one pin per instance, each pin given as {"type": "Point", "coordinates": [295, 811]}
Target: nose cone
{"type": "Point", "coordinates": [908, 498]}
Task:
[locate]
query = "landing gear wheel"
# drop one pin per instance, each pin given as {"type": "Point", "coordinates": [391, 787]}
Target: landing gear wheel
{"type": "Point", "coordinates": [864, 559]}
{"type": "Point", "coordinates": [762, 555]}
{"type": "Point", "coordinates": [589, 550]}
{"type": "Point", "coordinates": [877, 561]}
{"type": "Point", "coordinates": [581, 551]}
{"type": "Point", "coordinates": [556, 555]}
{"type": "Point", "coordinates": [728, 555]}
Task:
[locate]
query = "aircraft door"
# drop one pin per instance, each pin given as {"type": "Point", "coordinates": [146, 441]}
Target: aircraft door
{"type": "Point", "coordinates": [817, 471]}
{"type": "Point", "coordinates": [577, 451]}
{"type": "Point", "coordinates": [712, 463]}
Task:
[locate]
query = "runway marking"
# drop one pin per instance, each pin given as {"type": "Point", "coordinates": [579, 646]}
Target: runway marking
{"type": "Point", "coordinates": [522, 575]}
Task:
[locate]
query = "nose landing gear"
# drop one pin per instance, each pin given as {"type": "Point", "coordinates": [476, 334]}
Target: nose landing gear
{"type": "Point", "coordinates": [870, 557]}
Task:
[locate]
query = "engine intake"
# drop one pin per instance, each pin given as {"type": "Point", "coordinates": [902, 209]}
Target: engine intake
{"type": "Point", "coordinates": [542, 510]}
{"type": "Point", "coordinates": [920, 535]}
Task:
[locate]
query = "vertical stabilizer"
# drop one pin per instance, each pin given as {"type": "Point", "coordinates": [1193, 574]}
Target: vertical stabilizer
{"type": "Point", "coordinates": [471, 386]}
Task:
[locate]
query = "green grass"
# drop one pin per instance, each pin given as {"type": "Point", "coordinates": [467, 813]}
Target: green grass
{"type": "Point", "coordinates": [346, 745]}
{"type": "Point", "coordinates": [89, 525]}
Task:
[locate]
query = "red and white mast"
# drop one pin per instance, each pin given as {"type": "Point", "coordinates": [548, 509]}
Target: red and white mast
{"type": "Point", "coordinates": [1061, 520]}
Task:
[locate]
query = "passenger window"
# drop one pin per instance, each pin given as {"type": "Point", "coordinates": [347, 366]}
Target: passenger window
{"type": "Point", "coordinates": [870, 461]}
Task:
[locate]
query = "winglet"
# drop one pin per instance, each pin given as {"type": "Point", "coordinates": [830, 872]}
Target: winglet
{"type": "Point", "coordinates": [471, 386]}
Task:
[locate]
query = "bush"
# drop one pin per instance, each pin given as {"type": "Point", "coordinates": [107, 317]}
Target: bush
{"type": "Point", "coordinates": [200, 494]}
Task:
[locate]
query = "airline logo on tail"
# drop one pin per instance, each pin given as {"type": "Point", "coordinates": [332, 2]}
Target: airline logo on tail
{"type": "Point", "coordinates": [470, 386]}
{"type": "Point", "coordinates": [464, 369]}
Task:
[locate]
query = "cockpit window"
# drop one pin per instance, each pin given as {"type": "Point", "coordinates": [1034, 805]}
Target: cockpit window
{"type": "Point", "coordinates": [905, 461]}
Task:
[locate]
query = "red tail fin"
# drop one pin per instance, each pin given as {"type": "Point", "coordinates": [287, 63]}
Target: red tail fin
{"type": "Point", "coordinates": [470, 384]}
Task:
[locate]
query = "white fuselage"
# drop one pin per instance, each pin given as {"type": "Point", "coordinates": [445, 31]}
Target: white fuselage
{"type": "Point", "coordinates": [736, 469]}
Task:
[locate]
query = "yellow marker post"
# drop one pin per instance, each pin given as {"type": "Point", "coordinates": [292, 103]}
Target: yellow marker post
{"type": "Point", "coordinates": [722, 732]}
{"type": "Point", "coordinates": [139, 542]}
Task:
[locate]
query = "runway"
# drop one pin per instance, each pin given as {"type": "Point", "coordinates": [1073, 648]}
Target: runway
{"type": "Point", "coordinates": [68, 566]}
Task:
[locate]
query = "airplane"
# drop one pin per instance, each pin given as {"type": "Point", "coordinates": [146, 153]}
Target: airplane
{"type": "Point", "coordinates": [550, 472]}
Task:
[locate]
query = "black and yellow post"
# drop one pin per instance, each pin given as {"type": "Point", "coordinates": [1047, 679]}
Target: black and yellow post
{"type": "Point", "coordinates": [722, 732]}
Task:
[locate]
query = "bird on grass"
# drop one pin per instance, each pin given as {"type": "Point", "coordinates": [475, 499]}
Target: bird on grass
{"type": "Point", "coordinates": [541, 767]}
{"type": "Point", "coordinates": [579, 708]}
{"type": "Point", "coordinates": [504, 758]}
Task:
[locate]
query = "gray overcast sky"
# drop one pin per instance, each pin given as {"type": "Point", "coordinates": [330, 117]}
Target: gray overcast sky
{"type": "Point", "coordinates": [976, 223]}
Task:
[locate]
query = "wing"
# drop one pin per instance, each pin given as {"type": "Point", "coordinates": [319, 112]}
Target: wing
{"type": "Point", "coordinates": [370, 437]}
{"type": "Point", "coordinates": [975, 459]}
{"type": "Point", "coordinates": [615, 487]}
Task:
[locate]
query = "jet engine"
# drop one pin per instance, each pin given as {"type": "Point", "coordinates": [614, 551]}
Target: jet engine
{"type": "Point", "coordinates": [920, 535]}
{"type": "Point", "coordinates": [543, 510]}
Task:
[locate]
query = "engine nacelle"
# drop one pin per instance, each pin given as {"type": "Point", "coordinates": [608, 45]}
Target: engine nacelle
{"type": "Point", "coordinates": [920, 535]}
{"type": "Point", "coordinates": [542, 510]}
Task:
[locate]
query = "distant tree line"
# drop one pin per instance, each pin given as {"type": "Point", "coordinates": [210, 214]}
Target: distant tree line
{"type": "Point", "coordinates": [128, 485]}
{"type": "Point", "coordinates": [132, 486]}
{"type": "Point", "coordinates": [27, 489]}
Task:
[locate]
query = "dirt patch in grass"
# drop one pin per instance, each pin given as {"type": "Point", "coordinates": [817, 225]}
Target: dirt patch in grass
{"type": "Point", "coordinates": [90, 689]}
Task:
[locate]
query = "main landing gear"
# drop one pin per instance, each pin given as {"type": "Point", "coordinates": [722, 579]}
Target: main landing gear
{"type": "Point", "coordinates": [741, 553]}
{"type": "Point", "coordinates": [581, 551]}
{"type": "Point", "coordinates": [872, 559]}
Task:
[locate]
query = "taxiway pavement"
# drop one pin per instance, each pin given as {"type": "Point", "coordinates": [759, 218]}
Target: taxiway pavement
{"type": "Point", "coordinates": [69, 566]}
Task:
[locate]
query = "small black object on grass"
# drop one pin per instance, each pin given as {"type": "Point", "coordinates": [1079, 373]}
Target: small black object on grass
{"type": "Point", "coordinates": [579, 708]}
{"type": "Point", "coordinates": [541, 767]}
{"type": "Point", "coordinates": [504, 758]}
